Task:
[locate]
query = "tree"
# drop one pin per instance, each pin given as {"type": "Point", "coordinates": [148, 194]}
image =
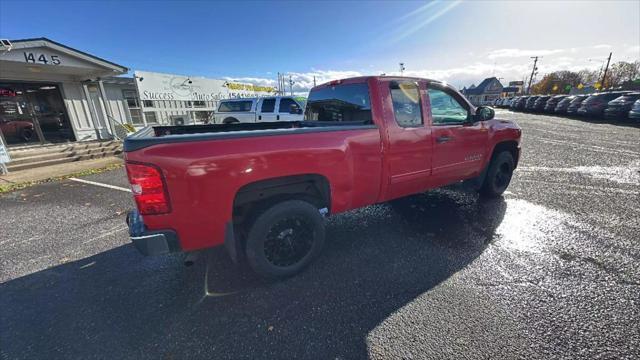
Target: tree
{"type": "Point", "coordinates": [558, 82]}
{"type": "Point", "coordinates": [622, 72]}
{"type": "Point", "coordinates": [589, 77]}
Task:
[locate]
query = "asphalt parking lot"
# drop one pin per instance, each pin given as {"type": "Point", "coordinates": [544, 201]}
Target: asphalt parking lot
{"type": "Point", "coordinates": [548, 271]}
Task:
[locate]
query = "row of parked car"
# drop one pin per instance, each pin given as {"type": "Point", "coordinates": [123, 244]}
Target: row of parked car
{"type": "Point", "coordinates": [614, 104]}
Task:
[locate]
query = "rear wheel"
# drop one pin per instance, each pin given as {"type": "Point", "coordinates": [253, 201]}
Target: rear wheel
{"type": "Point", "coordinates": [285, 238]}
{"type": "Point", "coordinates": [499, 175]}
{"type": "Point", "coordinates": [26, 134]}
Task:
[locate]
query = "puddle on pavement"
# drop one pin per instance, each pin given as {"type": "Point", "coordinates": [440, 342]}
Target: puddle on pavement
{"type": "Point", "coordinates": [629, 174]}
{"type": "Point", "coordinates": [527, 226]}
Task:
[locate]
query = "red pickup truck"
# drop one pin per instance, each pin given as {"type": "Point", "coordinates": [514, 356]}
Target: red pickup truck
{"type": "Point", "coordinates": [264, 189]}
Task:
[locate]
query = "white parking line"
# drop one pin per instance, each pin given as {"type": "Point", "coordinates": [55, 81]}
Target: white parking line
{"type": "Point", "coordinates": [101, 184]}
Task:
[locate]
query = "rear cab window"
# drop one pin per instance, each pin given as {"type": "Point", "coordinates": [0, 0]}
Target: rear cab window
{"type": "Point", "coordinates": [405, 97]}
{"type": "Point", "coordinates": [235, 106]}
{"type": "Point", "coordinates": [340, 103]}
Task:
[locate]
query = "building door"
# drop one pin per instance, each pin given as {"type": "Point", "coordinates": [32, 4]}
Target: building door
{"type": "Point", "coordinates": [32, 113]}
{"type": "Point", "coordinates": [98, 111]}
{"type": "Point", "coordinates": [47, 108]}
{"type": "Point", "coordinates": [267, 107]}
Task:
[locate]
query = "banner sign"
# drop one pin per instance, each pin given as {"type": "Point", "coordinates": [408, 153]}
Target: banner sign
{"type": "Point", "coordinates": [158, 86]}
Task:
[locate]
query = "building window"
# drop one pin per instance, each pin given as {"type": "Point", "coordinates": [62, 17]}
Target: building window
{"type": "Point", "coordinates": [199, 104]}
{"type": "Point", "coordinates": [205, 117]}
{"type": "Point", "coordinates": [136, 116]}
{"type": "Point", "coordinates": [151, 117]}
{"type": "Point", "coordinates": [148, 103]}
{"type": "Point", "coordinates": [133, 103]}
{"type": "Point", "coordinates": [132, 98]}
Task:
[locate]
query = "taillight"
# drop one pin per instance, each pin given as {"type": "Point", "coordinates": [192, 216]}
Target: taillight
{"type": "Point", "coordinates": [148, 189]}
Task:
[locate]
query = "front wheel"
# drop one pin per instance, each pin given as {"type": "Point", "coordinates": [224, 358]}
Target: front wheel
{"type": "Point", "coordinates": [285, 238]}
{"type": "Point", "coordinates": [499, 175]}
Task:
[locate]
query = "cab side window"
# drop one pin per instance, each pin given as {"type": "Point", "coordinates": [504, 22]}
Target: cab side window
{"type": "Point", "coordinates": [406, 103]}
{"type": "Point", "coordinates": [268, 105]}
{"type": "Point", "coordinates": [285, 105]}
{"type": "Point", "coordinates": [445, 109]}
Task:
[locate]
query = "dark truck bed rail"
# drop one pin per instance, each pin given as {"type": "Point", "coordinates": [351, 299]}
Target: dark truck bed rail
{"type": "Point", "coordinates": [153, 135]}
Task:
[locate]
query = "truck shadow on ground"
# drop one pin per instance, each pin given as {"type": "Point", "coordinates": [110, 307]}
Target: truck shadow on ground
{"type": "Point", "coordinates": [119, 304]}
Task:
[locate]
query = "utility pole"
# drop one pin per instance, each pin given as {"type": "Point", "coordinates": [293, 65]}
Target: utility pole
{"type": "Point", "coordinates": [533, 71]}
{"type": "Point", "coordinates": [291, 82]}
{"type": "Point", "coordinates": [278, 83]}
{"type": "Point", "coordinates": [402, 68]}
{"type": "Point", "coordinates": [604, 76]}
{"type": "Point", "coordinates": [314, 81]}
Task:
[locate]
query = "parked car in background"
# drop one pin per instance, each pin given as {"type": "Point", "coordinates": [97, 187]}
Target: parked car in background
{"type": "Point", "coordinates": [619, 107]}
{"type": "Point", "coordinates": [514, 102]}
{"type": "Point", "coordinates": [21, 130]}
{"type": "Point", "coordinates": [551, 104]}
{"type": "Point", "coordinates": [574, 105]}
{"type": "Point", "coordinates": [634, 114]}
{"type": "Point", "coordinates": [528, 105]}
{"type": "Point", "coordinates": [506, 102]}
{"type": "Point", "coordinates": [540, 103]}
{"type": "Point", "coordinates": [268, 109]}
{"type": "Point", "coordinates": [520, 104]}
{"type": "Point", "coordinates": [563, 104]}
{"type": "Point", "coordinates": [595, 104]}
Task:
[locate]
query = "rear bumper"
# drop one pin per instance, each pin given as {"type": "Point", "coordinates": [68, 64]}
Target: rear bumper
{"type": "Point", "coordinates": [155, 242]}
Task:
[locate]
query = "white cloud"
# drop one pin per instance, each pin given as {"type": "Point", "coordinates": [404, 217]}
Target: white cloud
{"type": "Point", "coordinates": [303, 82]}
{"type": "Point", "coordinates": [514, 53]}
{"type": "Point", "coordinates": [633, 49]}
{"type": "Point", "coordinates": [507, 64]}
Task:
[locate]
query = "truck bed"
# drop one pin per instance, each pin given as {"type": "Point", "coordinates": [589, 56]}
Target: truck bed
{"type": "Point", "coordinates": [153, 135]}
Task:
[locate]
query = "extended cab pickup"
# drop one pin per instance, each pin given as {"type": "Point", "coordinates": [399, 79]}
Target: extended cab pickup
{"type": "Point", "coordinates": [263, 189]}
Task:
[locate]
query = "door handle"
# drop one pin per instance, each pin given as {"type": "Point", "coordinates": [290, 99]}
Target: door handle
{"type": "Point", "coordinates": [259, 117]}
{"type": "Point", "coordinates": [443, 139]}
{"type": "Point", "coordinates": [277, 117]}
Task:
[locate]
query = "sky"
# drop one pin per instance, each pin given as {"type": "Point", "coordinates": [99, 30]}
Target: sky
{"type": "Point", "coordinates": [460, 42]}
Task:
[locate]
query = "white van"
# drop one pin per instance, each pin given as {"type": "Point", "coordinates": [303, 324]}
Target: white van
{"type": "Point", "coordinates": [267, 109]}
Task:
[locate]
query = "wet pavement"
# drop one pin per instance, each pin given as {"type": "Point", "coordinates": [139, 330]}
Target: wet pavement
{"type": "Point", "coordinates": [548, 271]}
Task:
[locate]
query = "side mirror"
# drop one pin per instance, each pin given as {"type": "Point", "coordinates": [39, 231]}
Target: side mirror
{"type": "Point", "coordinates": [484, 113]}
{"type": "Point", "coordinates": [295, 109]}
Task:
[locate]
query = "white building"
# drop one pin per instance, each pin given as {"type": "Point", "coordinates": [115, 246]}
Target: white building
{"type": "Point", "coordinates": [51, 93]}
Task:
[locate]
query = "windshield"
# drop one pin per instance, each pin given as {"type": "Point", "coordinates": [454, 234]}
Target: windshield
{"type": "Point", "coordinates": [349, 102]}
{"type": "Point", "coordinates": [628, 97]}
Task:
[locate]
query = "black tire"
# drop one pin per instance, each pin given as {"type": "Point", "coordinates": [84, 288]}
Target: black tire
{"type": "Point", "coordinates": [499, 175]}
{"type": "Point", "coordinates": [285, 238]}
{"type": "Point", "coordinates": [26, 134]}
{"type": "Point", "coordinates": [230, 121]}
